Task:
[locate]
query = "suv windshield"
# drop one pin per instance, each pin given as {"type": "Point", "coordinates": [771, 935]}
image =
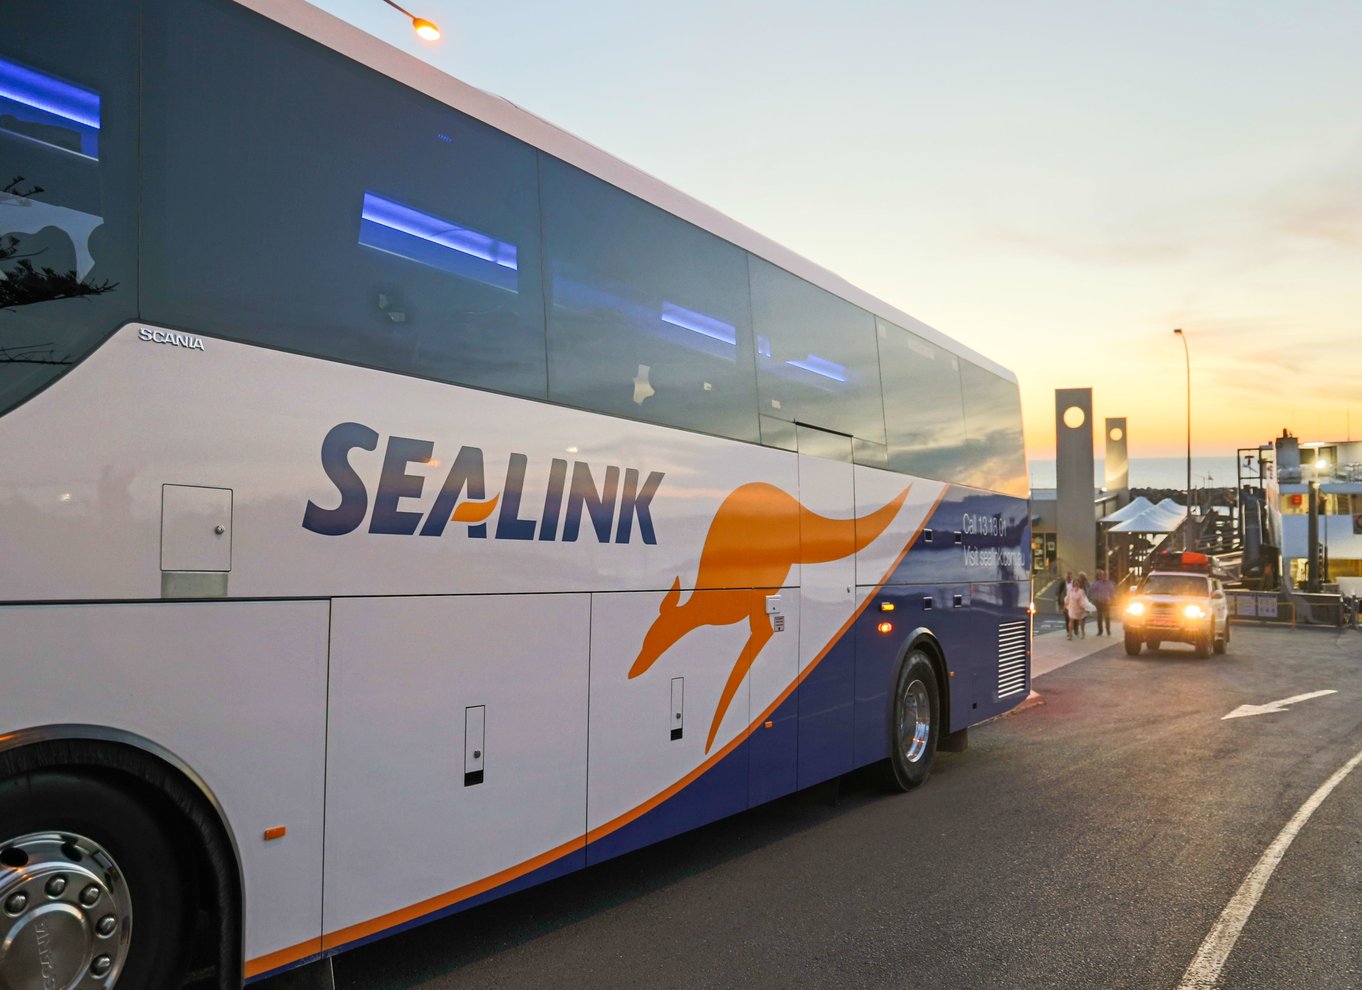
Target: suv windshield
{"type": "Point", "coordinates": [1176, 584]}
{"type": "Point", "coordinates": [68, 138]}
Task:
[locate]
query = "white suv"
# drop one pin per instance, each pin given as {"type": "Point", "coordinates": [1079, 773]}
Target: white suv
{"type": "Point", "coordinates": [1178, 607]}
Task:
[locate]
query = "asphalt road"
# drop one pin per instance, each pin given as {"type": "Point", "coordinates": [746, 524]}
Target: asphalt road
{"type": "Point", "coordinates": [1090, 841]}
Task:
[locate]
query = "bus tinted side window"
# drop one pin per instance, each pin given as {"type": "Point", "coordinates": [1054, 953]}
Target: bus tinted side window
{"type": "Point", "coordinates": [993, 420]}
{"type": "Point", "coordinates": [923, 406]}
{"type": "Point", "coordinates": [314, 205]}
{"type": "Point", "coordinates": [816, 358]}
{"type": "Point", "coordinates": [68, 185]}
{"type": "Point", "coordinates": [648, 316]}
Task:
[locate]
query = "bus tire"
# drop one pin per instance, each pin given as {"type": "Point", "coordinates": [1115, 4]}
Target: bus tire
{"type": "Point", "coordinates": [914, 722]}
{"type": "Point", "coordinates": [1133, 645]}
{"type": "Point", "coordinates": [82, 861]}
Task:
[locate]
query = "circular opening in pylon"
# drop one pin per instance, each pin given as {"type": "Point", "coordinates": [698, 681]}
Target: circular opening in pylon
{"type": "Point", "coordinates": [1074, 417]}
{"type": "Point", "coordinates": [1117, 433]}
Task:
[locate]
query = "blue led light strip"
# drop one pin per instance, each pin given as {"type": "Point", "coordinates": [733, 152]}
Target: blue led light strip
{"type": "Point", "coordinates": [822, 366]}
{"type": "Point", "coordinates": [708, 326]}
{"type": "Point", "coordinates": [445, 233]}
{"type": "Point", "coordinates": [51, 95]}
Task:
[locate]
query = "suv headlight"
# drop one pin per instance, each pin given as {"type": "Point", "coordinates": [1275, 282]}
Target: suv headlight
{"type": "Point", "coordinates": [1194, 612]}
{"type": "Point", "coordinates": [1135, 608]}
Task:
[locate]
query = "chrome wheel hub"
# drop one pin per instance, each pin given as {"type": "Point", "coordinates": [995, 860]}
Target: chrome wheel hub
{"type": "Point", "coordinates": [914, 721]}
{"type": "Point", "coordinates": [65, 915]}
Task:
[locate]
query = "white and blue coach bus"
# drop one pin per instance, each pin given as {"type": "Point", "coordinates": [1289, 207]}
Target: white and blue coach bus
{"type": "Point", "coordinates": [403, 502]}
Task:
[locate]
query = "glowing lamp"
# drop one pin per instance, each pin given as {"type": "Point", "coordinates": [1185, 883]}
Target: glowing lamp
{"type": "Point", "coordinates": [885, 627]}
{"type": "Point", "coordinates": [425, 29]}
{"type": "Point", "coordinates": [1135, 608]}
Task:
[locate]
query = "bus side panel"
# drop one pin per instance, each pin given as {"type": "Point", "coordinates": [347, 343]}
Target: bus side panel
{"type": "Point", "coordinates": [826, 701]}
{"type": "Point", "coordinates": [638, 747]}
{"type": "Point", "coordinates": [236, 690]}
{"type": "Point", "coordinates": [976, 537]}
{"type": "Point", "coordinates": [456, 756]}
{"type": "Point", "coordinates": [877, 657]}
{"type": "Point", "coordinates": [774, 744]}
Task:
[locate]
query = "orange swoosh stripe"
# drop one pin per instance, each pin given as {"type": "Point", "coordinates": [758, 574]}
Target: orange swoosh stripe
{"type": "Point", "coordinates": [432, 904]}
{"type": "Point", "coordinates": [337, 939]}
{"type": "Point", "coordinates": [283, 957]}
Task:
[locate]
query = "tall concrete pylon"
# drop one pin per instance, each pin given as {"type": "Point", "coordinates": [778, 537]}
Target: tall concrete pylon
{"type": "Point", "coordinates": [1076, 536]}
{"type": "Point", "coordinates": [1116, 465]}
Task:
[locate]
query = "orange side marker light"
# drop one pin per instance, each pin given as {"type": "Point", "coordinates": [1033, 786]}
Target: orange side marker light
{"type": "Point", "coordinates": [277, 832]}
{"type": "Point", "coordinates": [769, 725]}
{"type": "Point", "coordinates": [886, 606]}
{"type": "Point", "coordinates": [885, 627]}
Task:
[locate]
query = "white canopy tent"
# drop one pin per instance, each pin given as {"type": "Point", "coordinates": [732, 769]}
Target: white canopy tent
{"type": "Point", "coordinates": [1162, 518]}
{"type": "Point", "coordinates": [1132, 508]}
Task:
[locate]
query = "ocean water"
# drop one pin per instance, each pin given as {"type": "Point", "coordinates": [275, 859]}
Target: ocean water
{"type": "Point", "coordinates": [1153, 472]}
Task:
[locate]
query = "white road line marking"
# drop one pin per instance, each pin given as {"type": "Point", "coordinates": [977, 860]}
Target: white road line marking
{"type": "Point", "coordinates": [1205, 969]}
{"type": "Point", "coordinates": [1274, 706]}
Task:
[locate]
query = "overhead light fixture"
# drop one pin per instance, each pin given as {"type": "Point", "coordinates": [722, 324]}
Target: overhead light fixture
{"type": "Point", "coordinates": [426, 30]}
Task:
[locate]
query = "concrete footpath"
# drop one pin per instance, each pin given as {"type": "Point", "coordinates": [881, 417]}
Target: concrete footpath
{"type": "Point", "coordinates": [1050, 650]}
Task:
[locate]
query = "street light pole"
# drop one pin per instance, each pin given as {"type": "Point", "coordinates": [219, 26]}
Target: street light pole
{"type": "Point", "coordinates": [1187, 526]}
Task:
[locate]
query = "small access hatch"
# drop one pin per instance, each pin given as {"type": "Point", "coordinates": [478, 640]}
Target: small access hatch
{"type": "Point", "coordinates": [196, 528]}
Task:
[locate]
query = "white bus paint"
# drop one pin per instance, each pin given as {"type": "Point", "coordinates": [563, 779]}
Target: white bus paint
{"type": "Point", "coordinates": [1204, 972]}
{"type": "Point", "coordinates": [1274, 706]}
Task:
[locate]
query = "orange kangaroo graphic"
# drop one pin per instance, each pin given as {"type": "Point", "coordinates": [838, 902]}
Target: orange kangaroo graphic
{"type": "Point", "coordinates": [757, 534]}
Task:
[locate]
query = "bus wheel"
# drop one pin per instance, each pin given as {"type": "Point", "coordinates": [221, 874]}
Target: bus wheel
{"type": "Point", "coordinates": [915, 722]}
{"type": "Point", "coordinates": [90, 892]}
{"type": "Point", "coordinates": [1132, 645]}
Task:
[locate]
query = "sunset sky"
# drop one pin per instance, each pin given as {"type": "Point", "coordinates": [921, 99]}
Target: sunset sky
{"type": "Point", "coordinates": [1056, 184]}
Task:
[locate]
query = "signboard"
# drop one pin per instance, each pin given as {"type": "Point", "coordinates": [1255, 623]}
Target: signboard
{"type": "Point", "coordinates": [1248, 605]}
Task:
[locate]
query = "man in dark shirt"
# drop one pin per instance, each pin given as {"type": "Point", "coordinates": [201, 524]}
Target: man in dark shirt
{"type": "Point", "coordinates": [1102, 593]}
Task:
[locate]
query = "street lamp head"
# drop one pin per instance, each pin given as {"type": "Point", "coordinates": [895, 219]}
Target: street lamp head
{"type": "Point", "coordinates": [424, 29]}
{"type": "Point", "coordinates": [1178, 331]}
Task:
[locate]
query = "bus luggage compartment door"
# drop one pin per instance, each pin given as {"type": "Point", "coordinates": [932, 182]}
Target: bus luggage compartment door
{"type": "Point", "coordinates": [456, 750]}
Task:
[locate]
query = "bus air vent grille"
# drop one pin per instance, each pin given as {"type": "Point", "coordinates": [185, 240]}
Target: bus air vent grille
{"type": "Point", "coordinates": [1011, 658]}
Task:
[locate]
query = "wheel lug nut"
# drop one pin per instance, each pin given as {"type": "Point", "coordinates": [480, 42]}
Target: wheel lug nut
{"type": "Point", "coordinates": [101, 966]}
{"type": "Point", "coordinates": [89, 895]}
{"type": "Point", "coordinates": [55, 886]}
{"type": "Point", "coordinates": [106, 925]}
{"type": "Point", "coordinates": [16, 903]}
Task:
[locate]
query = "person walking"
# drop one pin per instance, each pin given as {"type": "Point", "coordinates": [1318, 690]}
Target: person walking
{"type": "Point", "coordinates": [1062, 596]}
{"type": "Point", "coordinates": [1077, 606]}
{"type": "Point", "coordinates": [1103, 593]}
